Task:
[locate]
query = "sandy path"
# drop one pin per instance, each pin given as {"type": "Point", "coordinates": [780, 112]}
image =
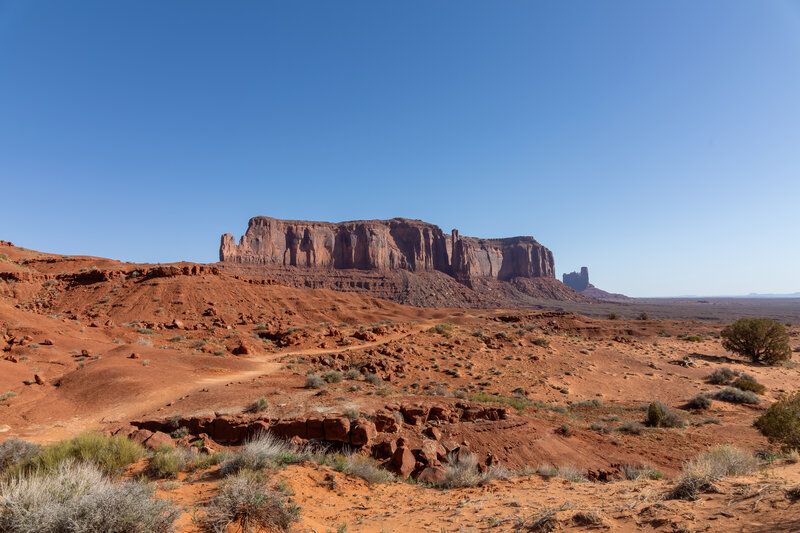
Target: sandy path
{"type": "Point", "coordinates": [264, 365]}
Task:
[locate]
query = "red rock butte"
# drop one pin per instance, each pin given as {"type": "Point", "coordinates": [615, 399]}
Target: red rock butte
{"type": "Point", "coordinates": [396, 244]}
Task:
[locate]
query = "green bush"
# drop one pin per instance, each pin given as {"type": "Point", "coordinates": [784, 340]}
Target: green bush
{"type": "Point", "coordinates": [541, 341]}
{"type": "Point", "coordinates": [111, 454]}
{"type": "Point", "coordinates": [660, 415]}
{"type": "Point", "coordinates": [520, 404]}
{"type": "Point", "coordinates": [749, 383]}
{"type": "Point", "coordinates": [258, 406]}
{"type": "Point", "coordinates": [759, 339]}
{"type": "Point", "coordinates": [167, 462]}
{"type": "Point", "coordinates": [781, 422]}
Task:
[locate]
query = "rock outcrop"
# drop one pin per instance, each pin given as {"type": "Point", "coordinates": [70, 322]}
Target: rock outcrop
{"type": "Point", "coordinates": [577, 280]}
{"type": "Point", "coordinates": [386, 245]}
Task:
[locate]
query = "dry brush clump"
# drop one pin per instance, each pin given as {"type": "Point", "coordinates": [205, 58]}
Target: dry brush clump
{"type": "Point", "coordinates": [76, 497]}
{"type": "Point", "coordinates": [246, 503]}
{"type": "Point", "coordinates": [639, 472]}
{"type": "Point", "coordinates": [701, 472]}
{"type": "Point", "coordinates": [734, 395]}
{"type": "Point", "coordinates": [366, 468]}
{"type": "Point", "coordinates": [722, 376]}
{"type": "Point", "coordinates": [700, 401]}
{"type": "Point", "coordinates": [14, 451]}
{"type": "Point", "coordinates": [462, 470]}
{"type": "Point", "coordinates": [265, 451]}
{"type": "Point", "coordinates": [568, 472]}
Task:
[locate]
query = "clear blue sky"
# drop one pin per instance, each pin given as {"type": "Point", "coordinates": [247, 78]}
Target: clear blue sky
{"type": "Point", "coordinates": [657, 143]}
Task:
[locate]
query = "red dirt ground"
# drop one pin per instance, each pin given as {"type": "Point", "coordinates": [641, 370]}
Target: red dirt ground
{"type": "Point", "coordinates": [75, 322]}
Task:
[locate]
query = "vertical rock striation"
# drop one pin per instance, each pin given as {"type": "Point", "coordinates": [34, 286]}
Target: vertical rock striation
{"type": "Point", "coordinates": [383, 245]}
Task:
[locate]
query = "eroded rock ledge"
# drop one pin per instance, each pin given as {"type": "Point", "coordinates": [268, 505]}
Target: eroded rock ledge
{"type": "Point", "coordinates": [385, 245]}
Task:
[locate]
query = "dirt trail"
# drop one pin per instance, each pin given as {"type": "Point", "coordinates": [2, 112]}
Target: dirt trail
{"type": "Point", "coordinates": [265, 365]}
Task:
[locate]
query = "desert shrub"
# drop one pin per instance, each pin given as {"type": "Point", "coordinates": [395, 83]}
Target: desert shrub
{"type": "Point", "coordinates": [373, 379]}
{"type": "Point", "coordinates": [587, 518]}
{"type": "Point", "coordinates": [662, 416]}
{"type": "Point", "coordinates": [332, 376]}
{"type": "Point", "coordinates": [6, 395]}
{"type": "Point", "coordinates": [692, 338]}
{"type": "Point", "coordinates": [353, 373]}
{"type": "Point", "coordinates": [759, 339]}
{"type": "Point", "coordinates": [701, 401]}
{"type": "Point", "coordinates": [568, 472]}
{"type": "Point", "coordinates": [722, 376]}
{"type": "Point", "coordinates": [167, 462]}
{"type": "Point", "coordinates": [643, 316]}
{"type": "Point", "coordinates": [314, 381]}
{"type": "Point", "coordinates": [564, 430]}
{"type": "Point", "coordinates": [262, 451]}
{"type": "Point", "coordinates": [246, 502]}
{"type": "Point", "coordinates": [613, 316]}
{"type": "Point", "coordinates": [638, 472]}
{"type": "Point", "coordinates": [367, 469]}
{"type": "Point", "coordinates": [442, 329]}
{"type": "Point", "coordinates": [747, 382]}
{"type": "Point", "coordinates": [520, 404]}
{"type": "Point", "coordinates": [700, 472]}
{"type": "Point", "coordinates": [781, 422]}
{"type": "Point", "coordinates": [732, 395]}
{"type": "Point", "coordinates": [462, 471]}
{"type": "Point", "coordinates": [15, 451]}
{"type": "Point", "coordinates": [632, 428]}
{"type": "Point", "coordinates": [76, 497]}
{"type": "Point", "coordinates": [179, 433]}
{"type": "Point", "coordinates": [111, 454]}
{"type": "Point", "coordinates": [257, 406]}
{"type": "Point", "coordinates": [543, 522]}
{"type": "Point", "coordinates": [541, 341]}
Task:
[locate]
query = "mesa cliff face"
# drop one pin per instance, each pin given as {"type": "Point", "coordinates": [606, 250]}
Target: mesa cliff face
{"type": "Point", "coordinates": [386, 245]}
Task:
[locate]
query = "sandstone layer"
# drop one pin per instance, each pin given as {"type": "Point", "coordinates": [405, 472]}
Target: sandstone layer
{"type": "Point", "coordinates": [396, 244]}
{"type": "Point", "coordinates": [406, 261]}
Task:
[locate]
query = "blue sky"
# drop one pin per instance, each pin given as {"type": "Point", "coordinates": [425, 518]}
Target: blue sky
{"type": "Point", "coordinates": [657, 143]}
